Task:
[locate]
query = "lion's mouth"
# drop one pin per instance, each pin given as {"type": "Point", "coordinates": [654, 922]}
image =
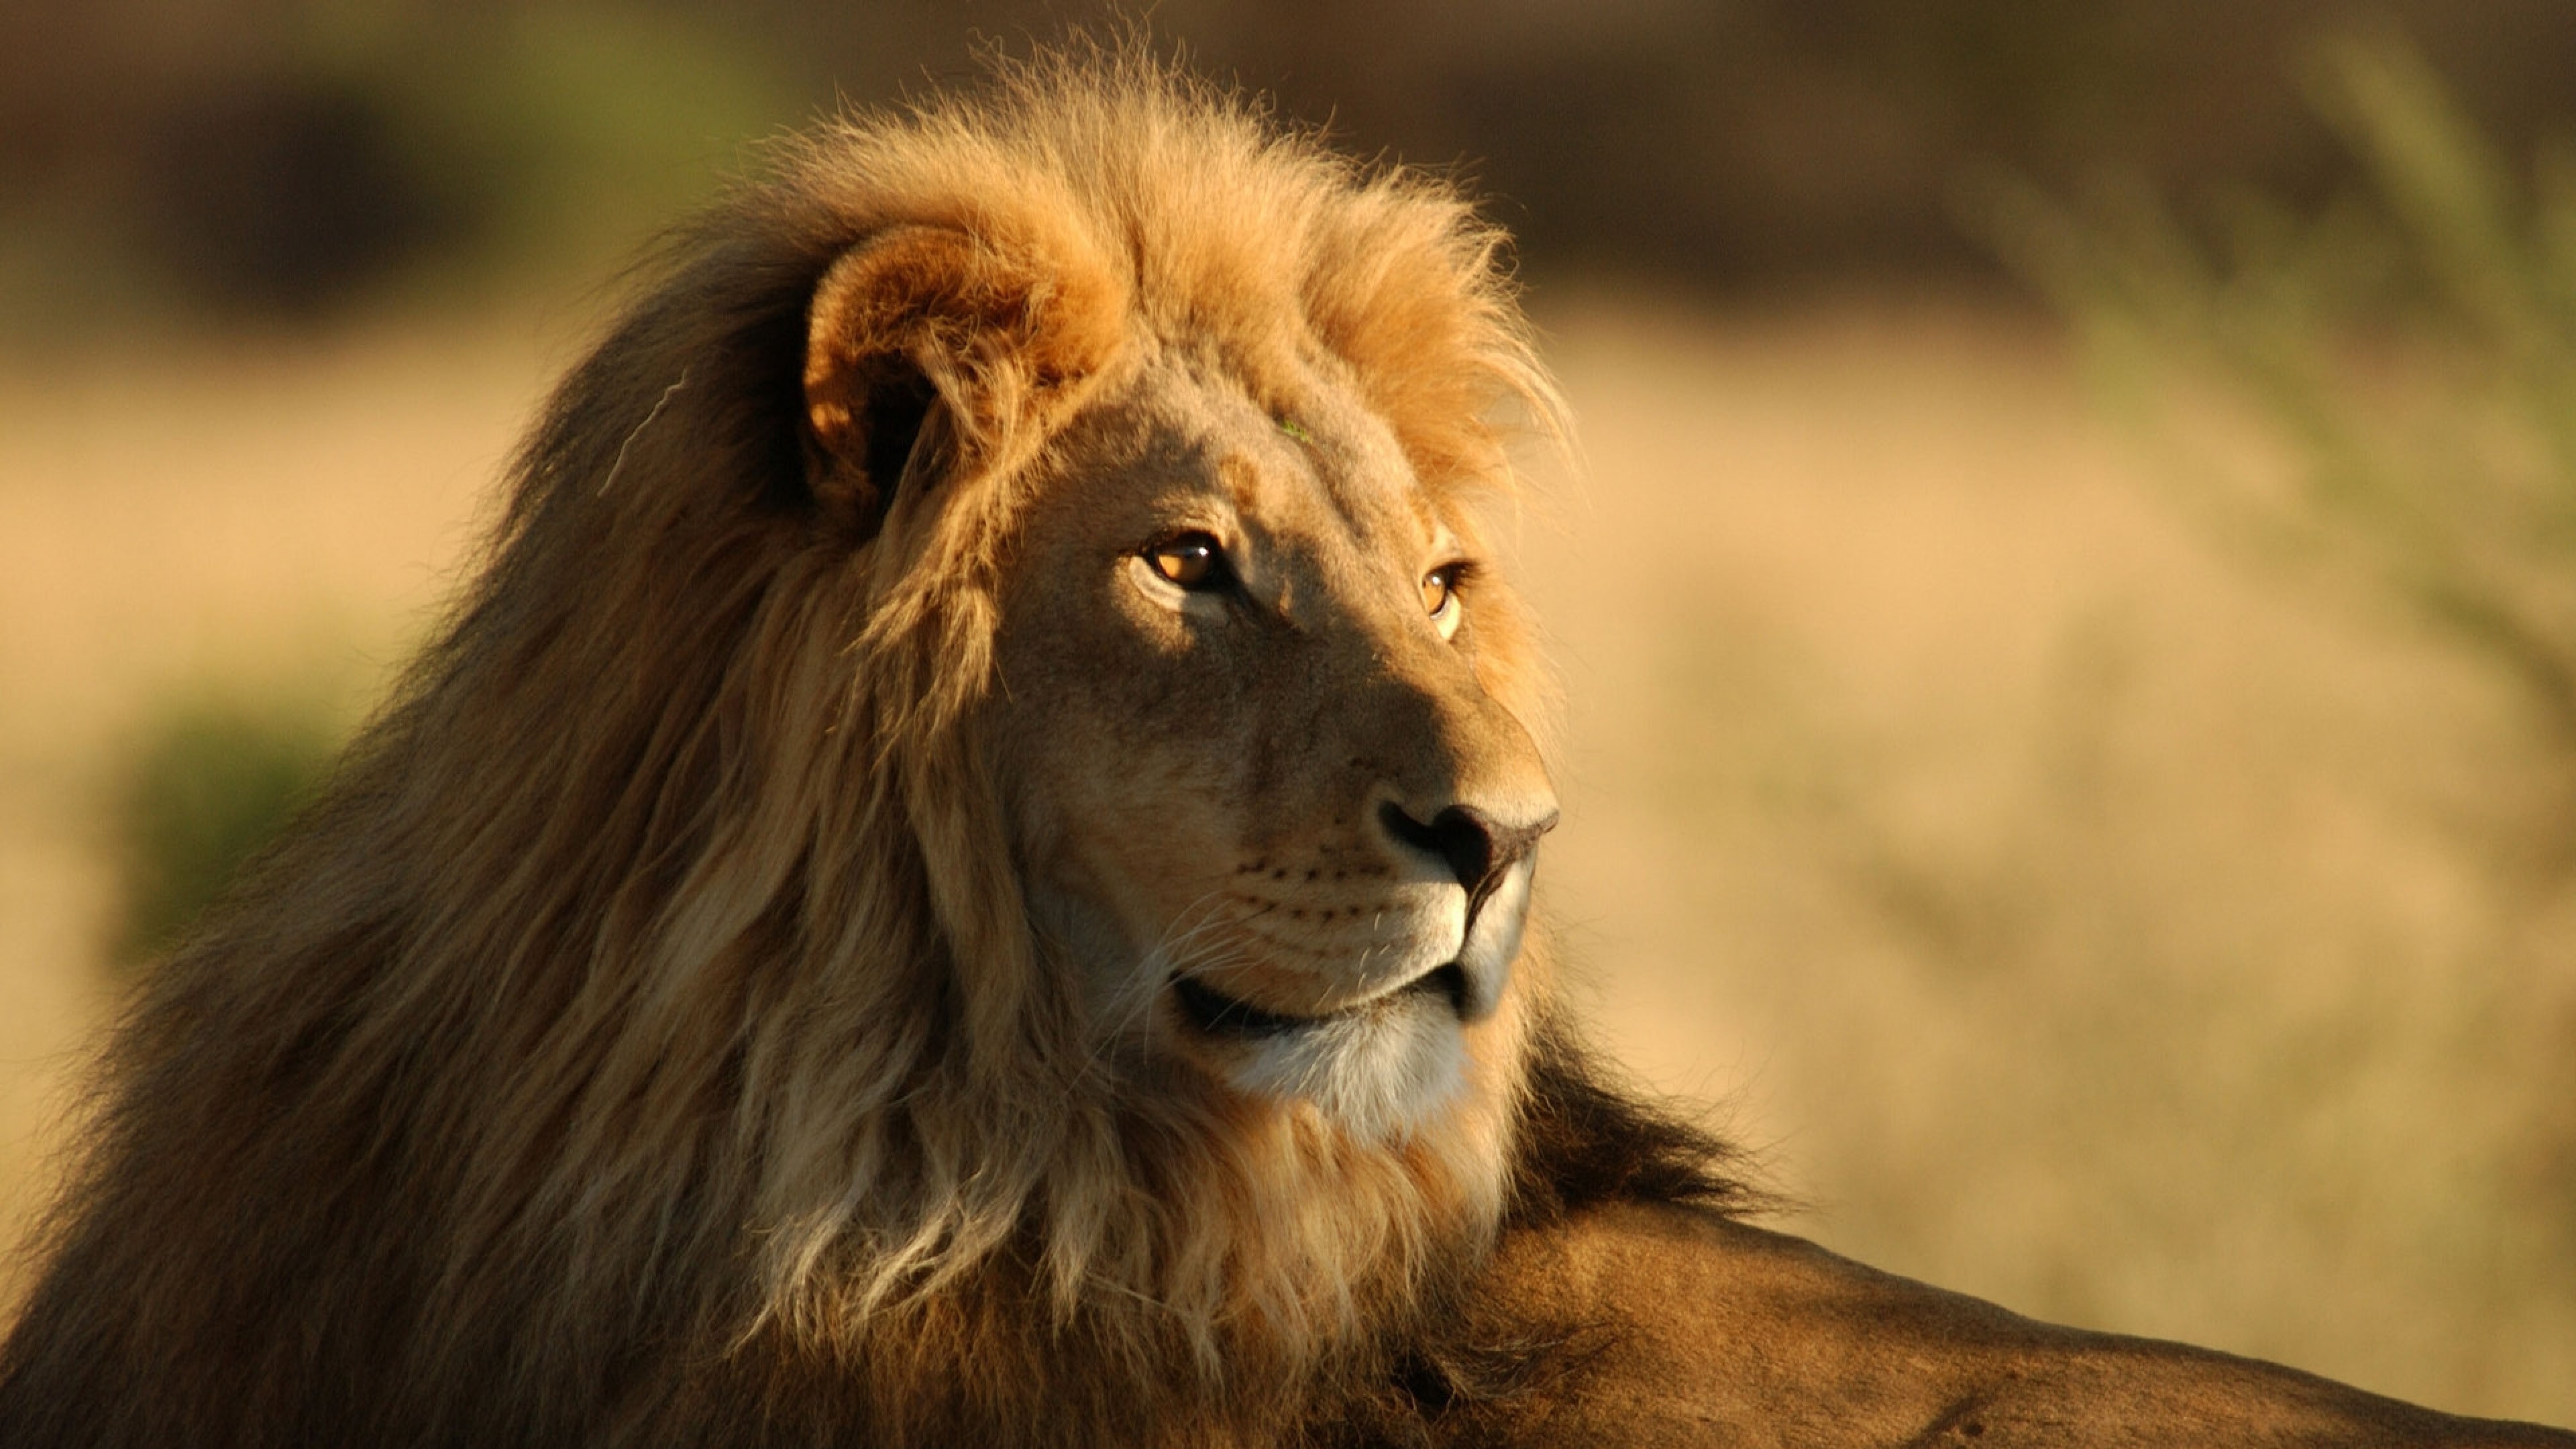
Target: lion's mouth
{"type": "Point", "coordinates": [1217, 1014]}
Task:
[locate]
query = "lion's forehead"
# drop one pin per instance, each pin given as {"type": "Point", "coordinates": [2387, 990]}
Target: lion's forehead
{"type": "Point", "coordinates": [1296, 451]}
{"type": "Point", "coordinates": [1334, 528]}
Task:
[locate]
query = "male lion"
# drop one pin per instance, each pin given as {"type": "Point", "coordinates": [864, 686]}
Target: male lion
{"type": "Point", "coordinates": [959, 878]}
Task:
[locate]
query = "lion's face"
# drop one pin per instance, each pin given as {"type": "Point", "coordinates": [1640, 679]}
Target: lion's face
{"type": "Point", "coordinates": [1266, 808]}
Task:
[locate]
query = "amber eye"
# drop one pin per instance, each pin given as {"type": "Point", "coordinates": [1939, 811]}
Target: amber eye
{"type": "Point", "coordinates": [1191, 560]}
{"type": "Point", "coordinates": [1438, 587]}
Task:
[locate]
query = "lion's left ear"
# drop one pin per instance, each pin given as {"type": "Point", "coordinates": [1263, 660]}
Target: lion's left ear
{"type": "Point", "coordinates": [923, 345]}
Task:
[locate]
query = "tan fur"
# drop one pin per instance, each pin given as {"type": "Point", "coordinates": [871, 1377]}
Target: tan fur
{"type": "Point", "coordinates": [1682, 1328]}
{"type": "Point", "coordinates": [831, 946]}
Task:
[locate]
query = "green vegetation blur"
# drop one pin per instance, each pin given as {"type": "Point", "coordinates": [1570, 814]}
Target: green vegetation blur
{"type": "Point", "coordinates": [208, 784]}
{"type": "Point", "coordinates": [2411, 347]}
{"type": "Point", "coordinates": [279, 163]}
{"type": "Point", "coordinates": [2403, 358]}
{"type": "Point", "coordinates": [281, 158]}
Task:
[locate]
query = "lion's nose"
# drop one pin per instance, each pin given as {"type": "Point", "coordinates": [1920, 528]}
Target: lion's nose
{"type": "Point", "coordinates": [1479, 850]}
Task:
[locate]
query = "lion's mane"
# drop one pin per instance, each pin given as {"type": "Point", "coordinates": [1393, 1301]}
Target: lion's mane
{"type": "Point", "coordinates": [644, 1039]}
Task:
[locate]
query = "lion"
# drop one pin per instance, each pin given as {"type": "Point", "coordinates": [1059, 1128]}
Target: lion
{"type": "Point", "coordinates": [962, 875]}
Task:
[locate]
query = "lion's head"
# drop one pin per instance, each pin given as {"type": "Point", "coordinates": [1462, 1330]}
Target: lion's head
{"type": "Point", "coordinates": [1156, 445]}
{"type": "Point", "coordinates": [960, 871]}
{"type": "Point", "coordinates": [1260, 746]}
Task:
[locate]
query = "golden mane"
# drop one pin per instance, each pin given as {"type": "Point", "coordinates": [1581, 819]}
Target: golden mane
{"type": "Point", "coordinates": [645, 1038]}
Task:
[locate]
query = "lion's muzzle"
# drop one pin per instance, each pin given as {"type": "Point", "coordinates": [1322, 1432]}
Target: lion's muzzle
{"type": "Point", "coordinates": [1493, 855]}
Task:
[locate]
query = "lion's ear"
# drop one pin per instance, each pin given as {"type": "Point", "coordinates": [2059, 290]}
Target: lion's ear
{"type": "Point", "coordinates": [923, 342]}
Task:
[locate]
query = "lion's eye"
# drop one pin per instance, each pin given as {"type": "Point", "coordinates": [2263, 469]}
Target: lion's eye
{"type": "Point", "coordinates": [1191, 560]}
{"type": "Point", "coordinates": [1440, 596]}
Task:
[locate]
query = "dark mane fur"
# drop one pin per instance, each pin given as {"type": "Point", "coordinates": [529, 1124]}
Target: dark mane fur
{"type": "Point", "coordinates": [1585, 1139]}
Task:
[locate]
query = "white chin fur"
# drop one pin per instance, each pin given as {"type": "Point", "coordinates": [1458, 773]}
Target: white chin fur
{"type": "Point", "coordinates": [1376, 1074]}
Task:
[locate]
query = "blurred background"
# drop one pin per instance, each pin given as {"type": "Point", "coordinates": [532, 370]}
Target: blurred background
{"type": "Point", "coordinates": [2069, 606]}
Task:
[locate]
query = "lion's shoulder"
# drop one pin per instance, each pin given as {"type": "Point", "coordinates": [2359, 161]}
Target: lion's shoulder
{"type": "Point", "coordinates": [1655, 1322]}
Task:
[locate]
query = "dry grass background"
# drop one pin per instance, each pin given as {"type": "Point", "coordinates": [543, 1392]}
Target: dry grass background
{"type": "Point", "coordinates": [2079, 920]}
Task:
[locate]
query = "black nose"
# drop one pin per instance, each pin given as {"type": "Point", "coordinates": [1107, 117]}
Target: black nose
{"type": "Point", "coordinates": [1479, 850]}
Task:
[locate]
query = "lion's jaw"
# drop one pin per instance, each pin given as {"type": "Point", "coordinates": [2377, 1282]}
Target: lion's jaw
{"type": "Point", "coordinates": [1279, 822]}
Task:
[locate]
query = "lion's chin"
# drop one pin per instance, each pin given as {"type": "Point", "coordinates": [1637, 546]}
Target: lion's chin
{"type": "Point", "coordinates": [1378, 1073]}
